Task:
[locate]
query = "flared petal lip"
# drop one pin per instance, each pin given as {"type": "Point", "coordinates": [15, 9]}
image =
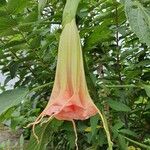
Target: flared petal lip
{"type": "Point", "coordinates": [70, 112]}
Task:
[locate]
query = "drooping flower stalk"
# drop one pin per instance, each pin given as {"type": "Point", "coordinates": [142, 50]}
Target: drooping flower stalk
{"type": "Point", "coordinates": [70, 99]}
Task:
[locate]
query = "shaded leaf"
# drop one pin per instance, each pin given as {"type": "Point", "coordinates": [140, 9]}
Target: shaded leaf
{"type": "Point", "coordinates": [71, 138]}
{"type": "Point", "coordinates": [94, 122]}
{"type": "Point", "coordinates": [128, 132]}
{"type": "Point", "coordinates": [118, 106]}
{"type": "Point", "coordinates": [100, 34]}
{"type": "Point", "coordinates": [2, 3]}
{"type": "Point", "coordinates": [122, 143]}
{"type": "Point", "coordinates": [6, 22]}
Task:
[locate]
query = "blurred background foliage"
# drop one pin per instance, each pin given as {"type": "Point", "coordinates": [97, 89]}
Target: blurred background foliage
{"type": "Point", "coordinates": [115, 37]}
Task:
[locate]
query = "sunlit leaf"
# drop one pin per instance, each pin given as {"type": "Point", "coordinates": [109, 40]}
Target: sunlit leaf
{"type": "Point", "coordinates": [11, 98]}
{"type": "Point", "coordinates": [139, 19]}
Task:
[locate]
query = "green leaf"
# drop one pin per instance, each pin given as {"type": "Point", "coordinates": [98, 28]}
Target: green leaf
{"type": "Point", "coordinates": [71, 138]}
{"type": "Point", "coordinates": [2, 2]}
{"type": "Point", "coordinates": [118, 106]}
{"type": "Point", "coordinates": [30, 19]}
{"type": "Point", "coordinates": [14, 43]}
{"type": "Point", "coordinates": [122, 143]}
{"type": "Point", "coordinates": [44, 134]}
{"type": "Point", "coordinates": [11, 98]}
{"type": "Point", "coordinates": [119, 124]}
{"type": "Point", "coordinates": [36, 41]}
{"type": "Point", "coordinates": [3, 13]}
{"type": "Point", "coordinates": [101, 33]}
{"type": "Point", "coordinates": [15, 6]}
{"type": "Point", "coordinates": [7, 114]}
{"type": "Point", "coordinates": [94, 122]}
{"type": "Point", "coordinates": [6, 22]}
{"type": "Point", "coordinates": [13, 67]}
{"type": "Point", "coordinates": [139, 19]}
{"type": "Point", "coordinates": [8, 32]}
{"type": "Point", "coordinates": [128, 132]}
{"type": "Point", "coordinates": [147, 89]}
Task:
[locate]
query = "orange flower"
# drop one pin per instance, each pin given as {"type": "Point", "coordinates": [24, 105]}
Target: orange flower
{"type": "Point", "coordinates": [70, 99]}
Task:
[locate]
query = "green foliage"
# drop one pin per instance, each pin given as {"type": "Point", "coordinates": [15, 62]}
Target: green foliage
{"type": "Point", "coordinates": [44, 133]}
{"type": "Point", "coordinates": [17, 6]}
{"type": "Point", "coordinates": [118, 106]}
{"type": "Point", "coordinates": [147, 89]}
{"type": "Point", "coordinates": [115, 39]}
{"type": "Point", "coordinates": [139, 18]}
{"type": "Point", "coordinates": [11, 98]}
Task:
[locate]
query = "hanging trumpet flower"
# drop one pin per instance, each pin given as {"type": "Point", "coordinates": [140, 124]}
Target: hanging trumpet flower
{"type": "Point", "coordinates": [70, 99]}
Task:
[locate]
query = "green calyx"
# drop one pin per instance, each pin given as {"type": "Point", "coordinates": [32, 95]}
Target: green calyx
{"type": "Point", "coordinates": [69, 12]}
